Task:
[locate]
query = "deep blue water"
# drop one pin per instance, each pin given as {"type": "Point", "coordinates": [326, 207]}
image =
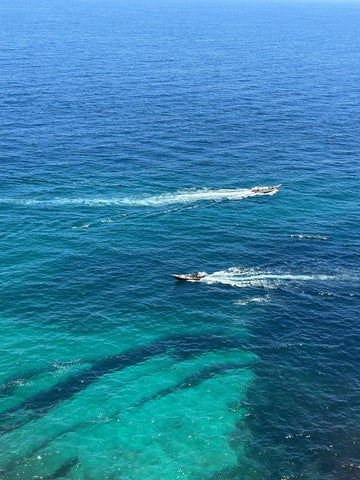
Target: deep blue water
{"type": "Point", "coordinates": [131, 134]}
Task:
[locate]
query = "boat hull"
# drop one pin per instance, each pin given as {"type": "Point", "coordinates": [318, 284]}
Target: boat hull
{"type": "Point", "coordinates": [265, 189]}
{"type": "Point", "coordinates": [187, 277]}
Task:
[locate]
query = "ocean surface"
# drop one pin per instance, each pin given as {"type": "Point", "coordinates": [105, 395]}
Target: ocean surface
{"type": "Point", "coordinates": [131, 135]}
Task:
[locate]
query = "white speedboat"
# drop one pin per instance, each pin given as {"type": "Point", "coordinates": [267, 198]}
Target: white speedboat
{"type": "Point", "coordinates": [265, 189]}
{"type": "Point", "coordinates": [188, 277]}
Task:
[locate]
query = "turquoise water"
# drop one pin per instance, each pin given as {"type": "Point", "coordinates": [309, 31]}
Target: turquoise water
{"type": "Point", "coordinates": [131, 136]}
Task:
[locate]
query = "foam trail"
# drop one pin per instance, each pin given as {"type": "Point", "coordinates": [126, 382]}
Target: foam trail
{"type": "Point", "coordinates": [180, 197]}
{"type": "Point", "coordinates": [238, 277]}
{"type": "Point", "coordinates": [193, 196]}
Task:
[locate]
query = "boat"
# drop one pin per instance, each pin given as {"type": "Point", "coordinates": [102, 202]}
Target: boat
{"type": "Point", "coordinates": [265, 189]}
{"type": "Point", "coordinates": [188, 277]}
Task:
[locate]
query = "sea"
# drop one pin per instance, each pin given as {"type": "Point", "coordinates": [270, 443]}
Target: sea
{"type": "Point", "coordinates": [131, 136]}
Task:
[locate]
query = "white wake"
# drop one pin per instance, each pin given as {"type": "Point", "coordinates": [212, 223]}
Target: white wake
{"type": "Point", "coordinates": [179, 197]}
{"type": "Point", "coordinates": [238, 277]}
{"type": "Point", "coordinates": [191, 196]}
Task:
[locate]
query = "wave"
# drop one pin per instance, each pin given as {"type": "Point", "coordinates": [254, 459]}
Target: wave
{"type": "Point", "coordinates": [238, 277]}
{"type": "Point", "coordinates": [179, 197]}
{"type": "Point", "coordinates": [318, 237]}
{"type": "Point", "coordinates": [258, 300]}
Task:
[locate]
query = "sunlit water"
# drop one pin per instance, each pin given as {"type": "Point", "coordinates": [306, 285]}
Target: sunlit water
{"type": "Point", "coordinates": [131, 138]}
